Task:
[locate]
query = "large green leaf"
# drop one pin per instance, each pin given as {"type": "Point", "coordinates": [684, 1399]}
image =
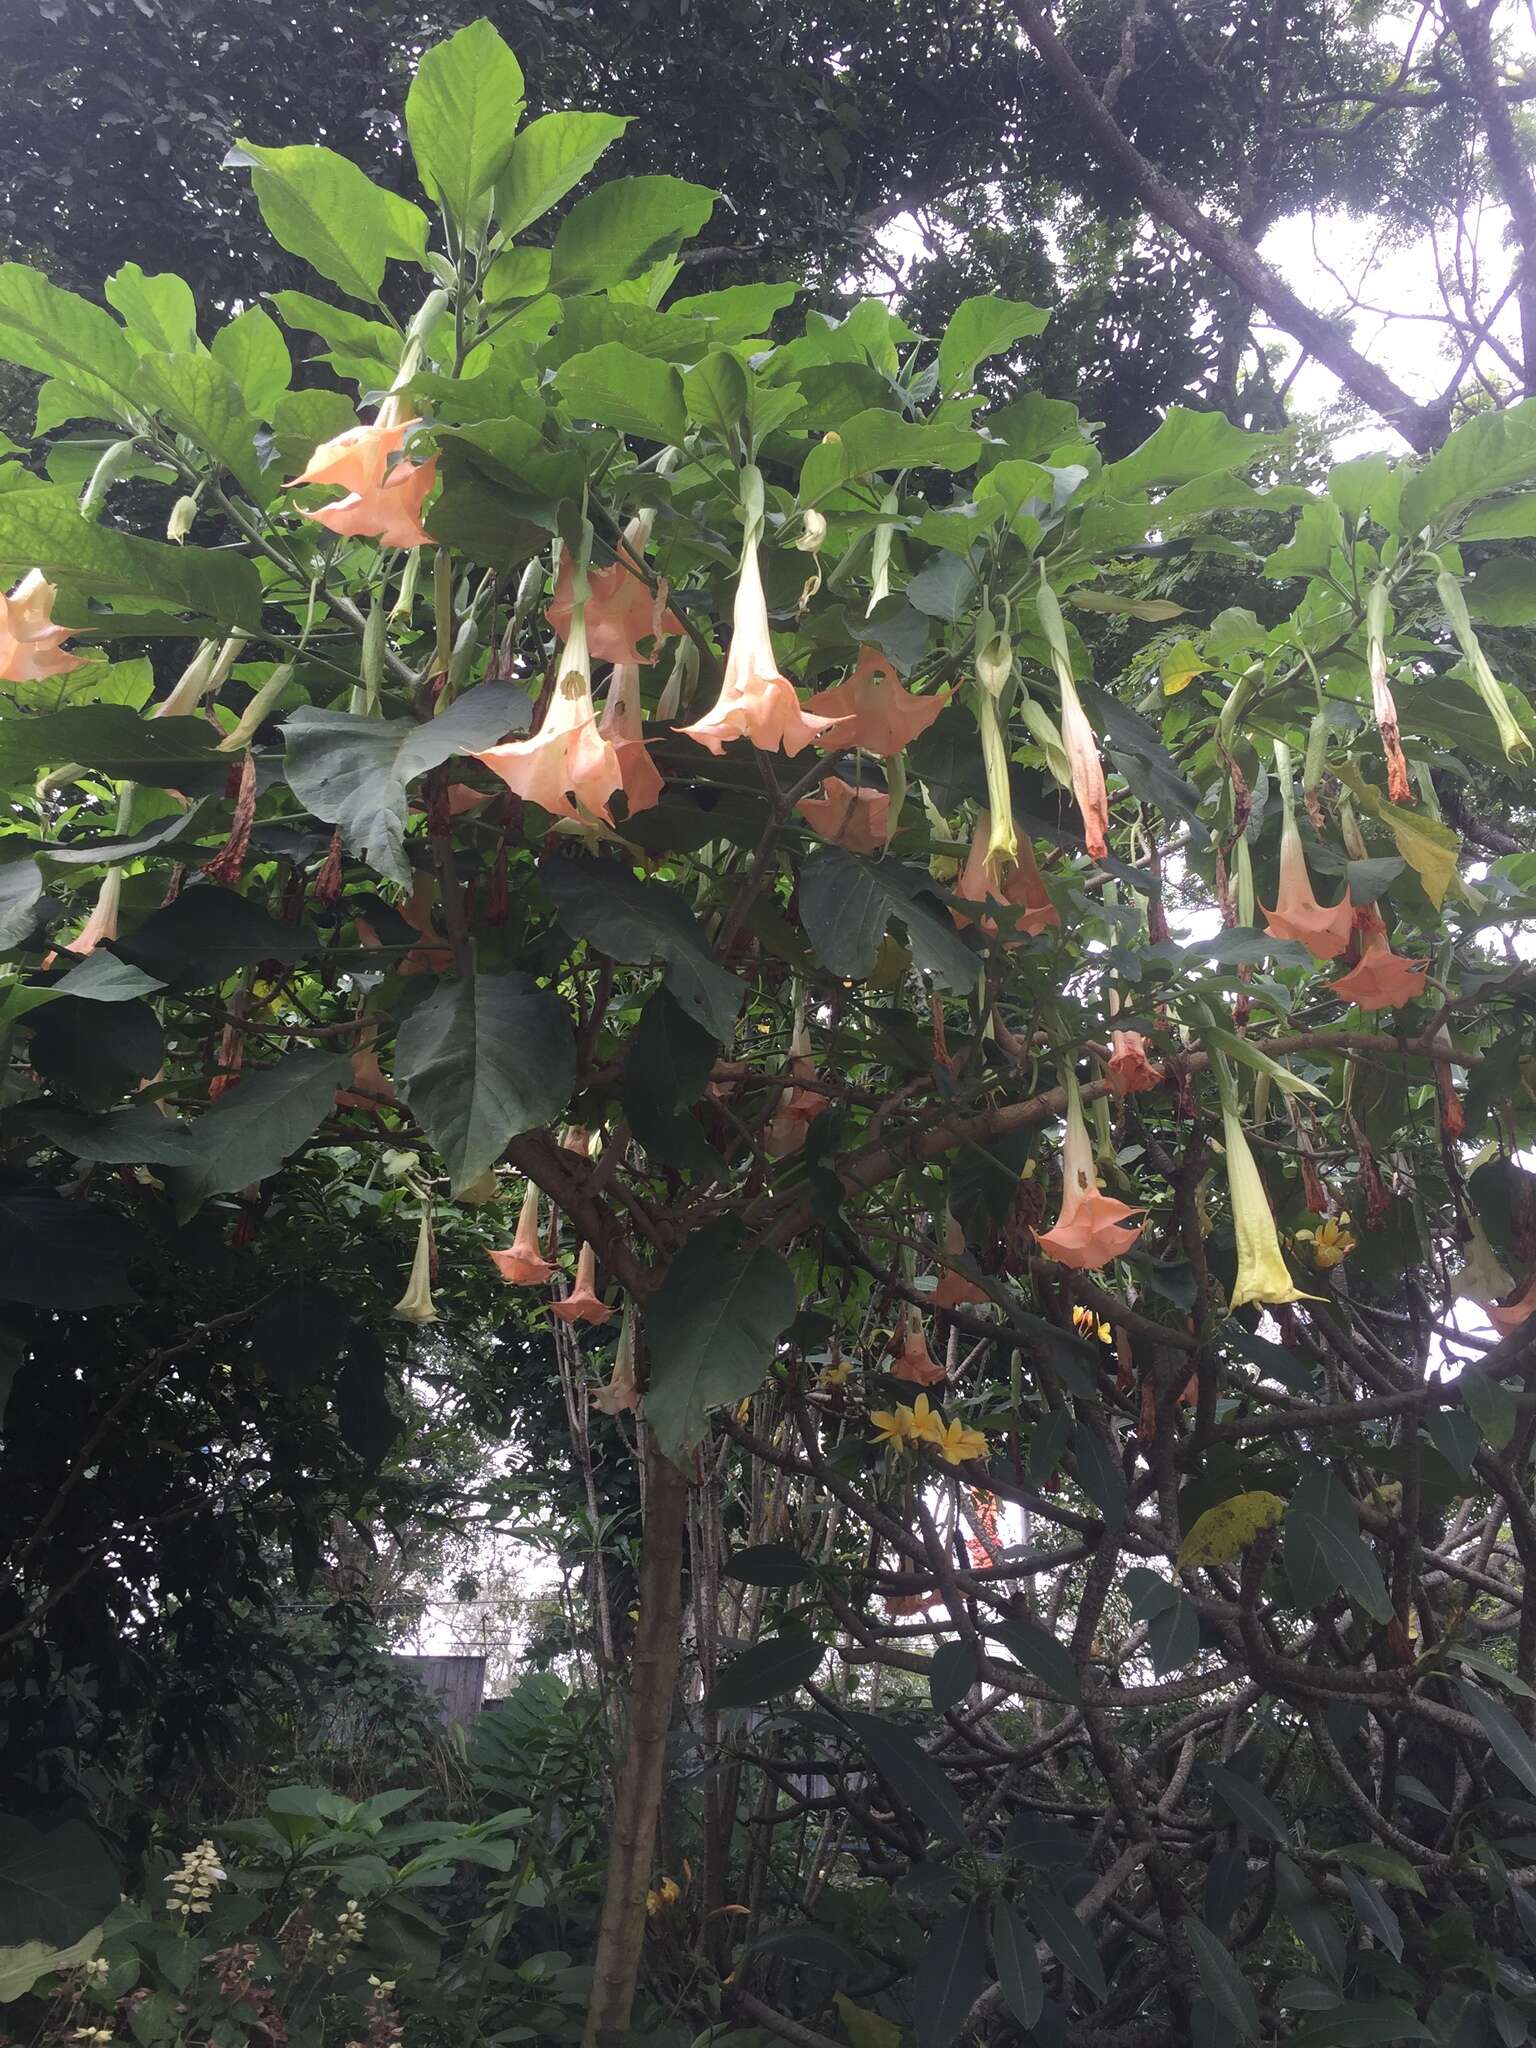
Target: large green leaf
{"type": "Point", "coordinates": [249, 1132]}
{"type": "Point", "coordinates": [323, 209]}
{"type": "Point", "coordinates": [167, 752]}
{"type": "Point", "coordinates": [666, 1066]}
{"type": "Point", "coordinates": [1503, 592]}
{"type": "Point", "coordinates": [1248, 1804]}
{"type": "Point", "coordinates": [66, 1256]}
{"type": "Point", "coordinates": [64, 336]}
{"type": "Point", "coordinates": [1041, 1655]}
{"type": "Point", "coordinates": [1187, 445]}
{"type": "Point", "coordinates": [160, 310]}
{"type": "Point", "coordinates": [461, 115]}
{"type": "Point", "coordinates": [950, 1976]}
{"type": "Point", "coordinates": [983, 327]}
{"type": "Point", "coordinates": [550, 156]}
{"type": "Point", "coordinates": [252, 349]}
{"type": "Point", "coordinates": [847, 903]}
{"type": "Point", "coordinates": [712, 1327]}
{"type": "Point", "coordinates": [636, 922]}
{"type": "Point", "coordinates": [1221, 1980]}
{"type": "Point", "coordinates": [482, 1060]}
{"type": "Point", "coordinates": [21, 894]}
{"type": "Point", "coordinates": [778, 1664]}
{"type": "Point", "coordinates": [43, 529]}
{"type": "Point", "coordinates": [1018, 1966]}
{"type": "Point", "coordinates": [1066, 1937]}
{"type": "Point", "coordinates": [619, 388]}
{"type": "Point", "coordinates": [910, 1772]}
{"type": "Point", "coordinates": [29, 1962]}
{"type": "Point", "coordinates": [55, 1883]}
{"type": "Point", "coordinates": [1324, 1551]}
{"type": "Point", "coordinates": [877, 439]}
{"type": "Point", "coordinates": [1509, 1741]}
{"type": "Point", "coordinates": [621, 229]}
{"type": "Point", "coordinates": [199, 398]}
{"type": "Point", "coordinates": [1487, 453]}
{"type": "Point", "coordinates": [353, 771]}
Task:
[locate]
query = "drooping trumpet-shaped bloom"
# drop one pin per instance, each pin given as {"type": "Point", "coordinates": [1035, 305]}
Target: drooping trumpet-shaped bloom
{"type": "Point", "coordinates": [849, 815]}
{"type": "Point", "coordinates": [582, 1304]}
{"type": "Point", "coordinates": [1090, 1230]}
{"type": "Point", "coordinates": [1024, 888]}
{"type": "Point", "coordinates": [874, 709]}
{"type": "Point", "coordinates": [31, 646]}
{"type": "Point", "coordinates": [568, 762]}
{"type": "Point", "coordinates": [621, 1395]}
{"type": "Point", "coordinates": [1383, 978]}
{"type": "Point", "coordinates": [624, 615]}
{"type": "Point", "coordinates": [1128, 1069]}
{"type": "Point", "coordinates": [755, 701]}
{"type": "Point", "coordinates": [914, 1361]}
{"type": "Point", "coordinates": [523, 1263]}
{"type": "Point", "coordinates": [415, 1305]}
{"type": "Point", "coordinates": [1383, 704]}
{"type": "Point", "coordinates": [798, 1107]}
{"type": "Point", "coordinates": [382, 503]}
{"type": "Point", "coordinates": [1262, 1274]}
{"type": "Point", "coordinates": [621, 725]}
{"type": "Point", "coordinates": [102, 922]}
{"type": "Point", "coordinates": [1082, 750]}
{"type": "Point", "coordinates": [953, 1288]}
{"type": "Point", "coordinates": [1297, 913]}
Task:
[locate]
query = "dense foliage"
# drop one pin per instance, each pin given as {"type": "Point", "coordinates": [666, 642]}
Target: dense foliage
{"type": "Point", "coordinates": [998, 1159]}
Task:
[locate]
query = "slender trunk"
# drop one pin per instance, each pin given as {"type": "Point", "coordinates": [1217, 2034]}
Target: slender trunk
{"type": "Point", "coordinates": [653, 1677]}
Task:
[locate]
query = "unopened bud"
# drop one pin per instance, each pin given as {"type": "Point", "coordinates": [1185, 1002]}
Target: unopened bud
{"type": "Point", "coordinates": [812, 534]}
{"type": "Point", "coordinates": [179, 525]}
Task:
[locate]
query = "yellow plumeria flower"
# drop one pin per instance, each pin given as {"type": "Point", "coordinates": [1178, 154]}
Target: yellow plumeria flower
{"type": "Point", "coordinates": [1090, 1324]}
{"type": "Point", "coordinates": [955, 1443]}
{"type": "Point", "coordinates": [835, 1375]}
{"type": "Point", "coordinates": [1331, 1242]}
{"type": "Point", "coordinates": [900, 1426]}
{"type": "Point", "coordinates": [665, 1894]}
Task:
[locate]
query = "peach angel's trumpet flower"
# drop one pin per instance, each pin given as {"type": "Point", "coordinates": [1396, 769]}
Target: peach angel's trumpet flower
{"type": "Point", "coordinates": [1382, 979]}
{"type": "Point", "coordinates": [1507, 1317]}
{"type": "Point", "coordinates": [622, 1393]}
{"type": "Point", "coordinates": [523, 1263]}
{"type": "Point", "coordinates": [1297, 913]}
{"type": "Point", "coordinates": [383, 499]}
{"type": "Point", "coordinates": [873, 708]}
{"type": "Point", "coordinates": [1382, 702]}
{"type": "Point", "coordinates": [582, 1305]}
{"type": "Point", "coordinates": [1077, 738]}
{"type": "Point", "coordinates": [848, 814]}
{"type": "Point", "coordinates": [798, 1107]}
{"type": "Point", "coordinates": [1024, 889]}
{"type": "Point", "coordinates": [1128, 1069]}
{"type": "Point", "coordinates": [756, 703]}
{"type": "Point", "coordinates": [1090, 1230]}
{"type": "Point", "coordinates": [624, 614]}
{"type": "Point", "coordinates": [102, 922]}
{"type": "Point", "coordinates": [31, 645]}
{"type": "Point", "coordinates": [569, 767]}
{"type": "Point", "coordinates": [621, 726]}
{"type": "Point", "coordinates": [914, 1361]}
{"type": "Point", "coordinates": [1262, 1274]}
{"type": "Point", "coordinates": [954, 1289]}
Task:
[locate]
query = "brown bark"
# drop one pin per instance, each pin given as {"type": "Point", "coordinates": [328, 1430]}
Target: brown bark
{"type": "Point", "coordinates": [653, 1678]}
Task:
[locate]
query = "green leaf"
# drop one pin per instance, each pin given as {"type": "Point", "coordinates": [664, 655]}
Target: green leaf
{"type": "Point", "coordinates": [102, 978]}
{"type": "Point", "coordinates": [253, 351]}
{"type": "Point", "coordinates": [1430, 848]}
{"type": "Point", "coordinates": [199, 398]}
{"type": "Point", "coordinates": [952, 1671]}
{"type": "Point", "coordinates": [1491, 1406]}
{"type": "Point", "coordinates": [353, 772]}
{"type": "Point", "coordinates": [877, 440]}
{"type": "Point", "coordinates": [769, 1564]}
{"type": "Point", "coordinates": [160, 312]}
{"type": "Point", "coordinates": [909, 1771]}
{"type": "Point", "coordinates": [1505, 519]}
{"type": "Point", "coordinates": [68, 1257]}
{"type": "Point", "coordinates": [1066, 1937]}
{"type": "Point", "coordinates": [1509, 1741]}
{"type": "Point", "coordinates": [43, 529]}
{"type": "Point", "coordinates": [980, 328]}
{"type": "Point", "coordinates": [249, 1132]}
{"type": "Point", "coordinates": [21, 892]}
{"type": "Point", "coordinates": [713, 1325]}
{"type": "Point", "coordinates": [1018, 1967]}
{"type": "Point", "coordinates": [736, 311]}
{"type": "Point", "coordinates": [865, 2029]}
{"type": "Point", "coordinates": [666, 1067]}
{"type": "Point", "coordinates": [951, 1975]}
{"type": "Point", "coordinates": [1221, 1980]}
{"type": "Point", "coordinates": [639, 922]}
{"type": "Point", "coordinates": [55, 1883]}
{"type": "Point", "coordinates": [1248, 1804]}
{"type": "Point", "coordinates": [619, 388]}
{"type": "Point", "coordinates": [207, 934]}
{"type": "Point", "coordinates": [166, 752]}
{"type": "Point", "coordinates": [1372, 1911]}
{"type": "Point", "coordinates": [24, 1966]}
{"type": "Point", "coordinates": [778, 1664]}
{"type": "Point", "coordinates": [1324, 1551]}
{"type": "Point", "coordinates": [621, 229]}
{"type": "Point", "coordinates": [1376, 1860]}
{"type": "Point", "coordinates": [1225, 1531]}
{"type": "Point", "coordinates": [550, 156]}
{"type": "Point", "coordinates": [717, 392]}
{"type": "Point", "coordinates": [1187, 445]}
{"type": "Point", "coordinates": [61, 335]}
{"type": "Point", "coordinates": [847, 902]}
{"type": "Point", "coordinates": [461, 115]}
{"type": "Point", "coordinates": [1041, 1655]}
{"type": "Point", "coordinates": [481, 1061]}
{"type": "Point", "coordinates": [1487, 453]}
{"type": "Point", "coordinates": [128, 1137]}
{"type": "Point", "coordinates": [1310, 551]}
{"type": "Point", "coordinates": [322, 209]}
{"type": "Point", "coordinates": [1503, 592]}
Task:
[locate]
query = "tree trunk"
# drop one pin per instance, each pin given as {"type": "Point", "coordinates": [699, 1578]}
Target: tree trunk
{"type": "Point", "coordinates": [653, 1677]}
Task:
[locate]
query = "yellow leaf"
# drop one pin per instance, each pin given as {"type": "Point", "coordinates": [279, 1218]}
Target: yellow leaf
{"type": "Point", "coordinates": [1430, 848]}
{"type": "Point", "coordinates": [23, 1967]}
{"type": "Point", "coordinates": [1179, 667]}
{"type": "Point", "coordinates": [1224, 1532]}
{"type": "Point", "coordinates": [865, 2029]}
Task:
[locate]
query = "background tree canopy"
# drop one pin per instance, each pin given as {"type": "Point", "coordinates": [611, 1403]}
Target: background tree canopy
{"type": "Point", "coordinates": [809, 945]}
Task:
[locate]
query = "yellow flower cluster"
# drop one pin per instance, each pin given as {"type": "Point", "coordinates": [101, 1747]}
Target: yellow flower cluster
{"type": "Point", "coordinates": [667, 1893]}
{"type": "Point", "coordinates": [902, 1428]}
{"type": "Point", "coordinates": [1331, 1242]}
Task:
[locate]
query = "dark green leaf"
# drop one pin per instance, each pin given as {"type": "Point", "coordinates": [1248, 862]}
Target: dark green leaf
{"type": "Point", "coordinates": [21, 893]}
{"type": "Point", "coordinates": [55, 1883]}
{"type": "Point", "coordinates": [1372, 1911]}
{"type": "Point", "coordinates": [713, 1325]}
{"type": "Point", "coordinates": [769, 1564]}
{"type": "Point", "coordinates": [952, 1671]}
{"type": "Point", "coordinates": [1509, 1741]}
{"type": "Point", "coordinates": [1018, 1967]}
{"type": "Point", "coordinates": [1066, 1937]}
{"type": "Point", "coordinates": [128, 1137]}
{"type": "Point", "coordinates": [847, 903]}
{"type": "Point", "coordinates": [249, 1132]}
{"type": "Point", "coordinates": [63, 1255]}
{"type": "Point", "coordinates": [1220, 1978]}
{"type": "Point", "coordinates": [950, 1976]}
{"type": "Point", "coordinates": [1041, 1655]}
{"type": "Point", "coordinates": [778, 1664]}
{"type": "Point", "coordinates": [208, 934]}
{"type": "Point", "coordinates": [910, 1772]}
{"type": "Point", "coordinates": [1247, 1803]}
{"type": "Point", "coordinates": [638, 922]}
